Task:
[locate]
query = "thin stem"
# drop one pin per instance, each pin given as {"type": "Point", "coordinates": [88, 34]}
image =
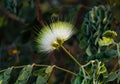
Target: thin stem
{"type": "Point", "coordinates": [83, 72]}
{"type": "Point", "coordinates": [13, 17]}
{"type": "Point", "coordinates": [2, 70]}
{"type": "Point", "coordinates": [16, 67]}
{"type": "Point", "coordinates": [118, 51]}
{"type": "Point", "coordinates": [65, 70]}
{"type": "Point", "coordinates": [40, 65]}
{"type": "Point", "coordinates": [71, 56]}
{"type": "Point", "coordinates": [38, 13]}
{"type": "Point", "coordinates": [88, 63]}
{"type": "Point", "coordinates": [56, 68]}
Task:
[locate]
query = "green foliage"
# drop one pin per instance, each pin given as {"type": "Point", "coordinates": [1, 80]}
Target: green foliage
{"type": "Point", "coordinates": [111, 77]}
{"type": "Point", "coordinates": [95, 23]}
{"type": "Point", "coordinates": [94, 74]}
{"type": "Point", "coordinates": [42, 75]}
{"type": "Point", "coordinates": [41, 80]}
{"type": "Point", "coordinates": [79, 78]}
{"type": "Point", "coordinates": [118, 49]}
{"type": "Point", "coordinates": [109, 34]}
{"type": "Point", "coordinates": [4, 77]}
{"type": "Point", "coordinates": [108, 55]}
{"type": "Point", "coordinates": [40, 72]}
{"type": "Point", "coordinates": [24, 75]}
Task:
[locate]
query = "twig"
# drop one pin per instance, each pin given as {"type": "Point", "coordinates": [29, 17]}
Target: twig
{"type": "Point", "coordinates": [88, 63]}
{"type": "Point", "coordinates": [40, 65]}
{"type": "Point", "coordinates": [65, 70]}
{"type": "Point", "coordinates": [38, 13]}
{"type": "Point", "coordinates": [13, 17]}
{"type": "Point", "coordinates": [71, 56]}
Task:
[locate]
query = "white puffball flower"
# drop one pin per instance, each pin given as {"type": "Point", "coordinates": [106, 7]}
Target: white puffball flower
{"type": "Point", "coordinates": [52, 36]}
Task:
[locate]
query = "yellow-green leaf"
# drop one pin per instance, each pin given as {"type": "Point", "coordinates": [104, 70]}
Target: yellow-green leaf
{"type": "Point", "coordinates": [105, 41]}
{"type": "Point", "coordinates": [49, 69]}
{"type": "Point", "coordinates": [0, 81]}
{"type": "Point", "coordinates": [102, 69]}
{"type": "Point", "coordinates": [109, 34]}
{"type": "Point", "coordinates": [24, 75]}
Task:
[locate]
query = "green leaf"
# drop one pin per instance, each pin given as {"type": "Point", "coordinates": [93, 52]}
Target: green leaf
{"type": "Point", "coordinates": [118, 52]}
{"type": "Point", "coordinates": [5, 76]}
{"type": "Point", "coordinates": [105, 41]}
{"type": "Point", "coordinates": [0, 81]}
{"type": "Point", "coordinates": [118, 80]}
{"type": "Point", "coordinates": [111, 77]}
{"type": "Point", "coordinates": [109, 34]}
{"type": "Point", "coordinates": [79, 78]}
{"type": "Point", "coordinates": [49, 69]}
{"type": "Point", "coordinates": [107, 54]}
{"type": "Point", "coordinates": [41, 80]}
{"type": "Point", "coordinates": [40, 72]}
{"type": "Point", "coordinates": [95, 23]}
{"type": "Point", "coordinates": [83, 43]}
{"type": "Point", "coordinates": [24, 75]}
{"type": "Point", "coordinates": [119, 73]}
{"type": "Point", "coordinates": [43, 75]}
{"type": "Point", "coordinates": [102, 69]}
{"type": "Point", "coordinates": [110, 53]}
{"type": "Point", "coordinates": [88, 51]}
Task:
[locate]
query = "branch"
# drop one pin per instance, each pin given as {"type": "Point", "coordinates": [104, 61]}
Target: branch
{"type": "Point", "coordinates": [38, 13]}
{"type": "Point", "coordinates": [41, 65]}
{"type": "Point", "coordinates": [13, 17]}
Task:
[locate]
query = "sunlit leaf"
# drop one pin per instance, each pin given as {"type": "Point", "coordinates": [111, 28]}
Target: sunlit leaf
{"type": "Point", "coordinates": [102, 68]}
{"type": "Point", "coordinates": [49, 69]}
{"type": "Point", "coordinates": [105, 41]}
{"type": "Point", "coordinates": [24, 75]}
{"type": "Point", "coordinates": [109, 34]}
{"type": "Point", "coordinates": [0, 81]}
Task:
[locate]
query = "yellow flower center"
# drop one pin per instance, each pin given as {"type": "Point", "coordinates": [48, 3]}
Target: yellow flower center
{"type": "Point", "coordinates": [57, 43]}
